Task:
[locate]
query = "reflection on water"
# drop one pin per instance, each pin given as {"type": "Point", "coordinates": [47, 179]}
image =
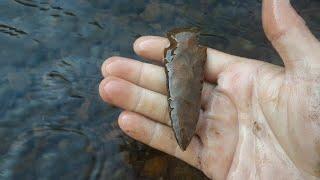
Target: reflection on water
{"type": "Point", "coordinates": [52, 121]}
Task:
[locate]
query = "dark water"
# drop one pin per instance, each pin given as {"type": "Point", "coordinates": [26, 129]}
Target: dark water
{"type": "Point", "coordinates": [53, 124]}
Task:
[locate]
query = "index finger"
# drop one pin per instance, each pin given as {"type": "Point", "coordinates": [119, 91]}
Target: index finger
{"type": "Point", "coordinates": [151, 47]}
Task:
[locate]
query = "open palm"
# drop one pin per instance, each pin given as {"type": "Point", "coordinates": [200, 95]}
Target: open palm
{"type": "Point", "coordinates": [260, 121]}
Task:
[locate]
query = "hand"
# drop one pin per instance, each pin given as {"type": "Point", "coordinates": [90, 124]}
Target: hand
{"type": "Point", "coordinates": [261, 121]}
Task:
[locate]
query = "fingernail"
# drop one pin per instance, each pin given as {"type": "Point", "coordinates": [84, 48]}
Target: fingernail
{"type": "Point", "coordinates": [123, 117]}
{"type": "Point", "coordinates": [106, 65]}
{"type": "Point", "coordinates": [106, 88]}
{"type": "Point", "coordinates": [124, 120]}
{"type": "Point", "coordinates": [140, 44]}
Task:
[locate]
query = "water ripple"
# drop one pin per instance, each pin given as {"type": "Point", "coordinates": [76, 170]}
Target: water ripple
{"type": "Point", "coordinates": [12, 31]}
{"type": "Point", "coordinates": [47, 145]}
{"type": "Point", "coordinates": [26, 3]}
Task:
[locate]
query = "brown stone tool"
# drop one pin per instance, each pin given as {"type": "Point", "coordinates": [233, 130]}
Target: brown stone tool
{"type": "Point", "coordinates": [184, 65]}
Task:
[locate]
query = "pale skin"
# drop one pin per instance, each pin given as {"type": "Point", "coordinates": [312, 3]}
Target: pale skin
{"type": "Point", "coordinates": [260, 121]}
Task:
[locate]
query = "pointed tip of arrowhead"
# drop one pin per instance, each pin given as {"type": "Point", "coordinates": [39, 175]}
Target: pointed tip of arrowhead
{"type": "Point", "coordinates": [183, 147]}
{"type": "Point", "coordinates": [184, 140]}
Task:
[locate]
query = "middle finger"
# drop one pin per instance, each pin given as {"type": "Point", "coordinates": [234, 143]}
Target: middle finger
{"type": "Point", "coordinates": [146, 75]}
{"type": "Point", "coordinates": [131, 97]}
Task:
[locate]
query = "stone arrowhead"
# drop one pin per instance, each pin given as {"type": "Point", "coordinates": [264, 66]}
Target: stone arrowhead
{"type": "Point", "coordinates": [184, 65]}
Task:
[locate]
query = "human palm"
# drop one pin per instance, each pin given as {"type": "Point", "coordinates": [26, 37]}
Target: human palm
{"type": "Point", "coordinates": [260, 121]}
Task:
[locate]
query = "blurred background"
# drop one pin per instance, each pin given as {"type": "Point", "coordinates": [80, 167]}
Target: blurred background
{"type": "Point", "coordinates": [53, 125]}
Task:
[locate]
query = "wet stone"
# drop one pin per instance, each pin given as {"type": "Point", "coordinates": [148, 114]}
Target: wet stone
{"type": "Point", "coordinates": [184, 65]}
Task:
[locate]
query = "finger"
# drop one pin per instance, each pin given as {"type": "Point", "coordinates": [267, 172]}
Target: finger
{"type": "Point", "coordinates": [290, 36]}
{"type": "Point", "coordinates": [159, 136]}
{"type": "Point", "coordinates": [217, 62]}
{"type": "Point", "coordinates": [131, 97]}
{"type": "Point", "coordinates": [146, 75]}
{"type": "Point", "coordinates": [152, 47]}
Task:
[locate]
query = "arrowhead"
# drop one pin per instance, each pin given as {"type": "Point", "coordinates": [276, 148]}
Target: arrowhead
{"type": "Point", "coordinates": [184, 64]}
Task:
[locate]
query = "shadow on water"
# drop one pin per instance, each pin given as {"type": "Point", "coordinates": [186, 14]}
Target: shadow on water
{"type": "Point", "coordinates": [53, 123]}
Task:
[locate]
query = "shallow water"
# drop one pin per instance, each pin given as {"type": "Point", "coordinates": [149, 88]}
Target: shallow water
{"type": "Point", "coordinates": [53, 125]}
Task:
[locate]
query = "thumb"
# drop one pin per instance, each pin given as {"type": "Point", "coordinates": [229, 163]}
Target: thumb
{"type": "Point", "coordinates": [287, 31]}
